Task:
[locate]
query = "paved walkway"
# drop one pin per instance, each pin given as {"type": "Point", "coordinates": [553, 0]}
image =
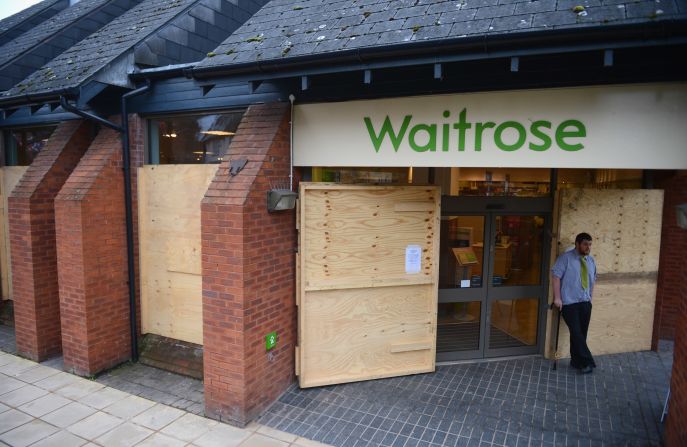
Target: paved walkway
{"type": "Point", "coordinates": [42, 406]}
{"type": "Point", "coordinates": [513, 403]}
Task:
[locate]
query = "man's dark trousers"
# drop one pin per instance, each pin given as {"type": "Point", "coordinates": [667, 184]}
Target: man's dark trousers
{"type": "Point", "coordinates": [577, 318]}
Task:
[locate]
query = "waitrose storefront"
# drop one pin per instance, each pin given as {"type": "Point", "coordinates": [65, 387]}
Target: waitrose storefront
{"type": "Point", "coordinates": [430, 223]}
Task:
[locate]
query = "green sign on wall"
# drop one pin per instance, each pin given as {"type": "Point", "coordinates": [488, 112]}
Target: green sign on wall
{"type": "Point", "coordinates": [270, 340]}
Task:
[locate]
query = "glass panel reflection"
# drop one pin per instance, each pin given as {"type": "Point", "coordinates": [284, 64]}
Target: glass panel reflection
{"type": "Point", "coordinates": [458, 326]}
{"type": "Point", "coordinates": [513, 323]}
{"type": "Point", "coordinates": [462, 259]}
{"type": "Point", "coordinates": [517, 253]}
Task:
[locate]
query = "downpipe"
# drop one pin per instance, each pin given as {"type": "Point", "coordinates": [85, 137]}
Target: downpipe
{"type": "Point", "coordinates": [128, 205]}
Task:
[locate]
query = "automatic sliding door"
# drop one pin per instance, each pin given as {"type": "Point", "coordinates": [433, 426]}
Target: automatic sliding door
{"type": "Point", "coordinates": [516, 292]}
{"type": "Point", "coordinates": [461, 314]}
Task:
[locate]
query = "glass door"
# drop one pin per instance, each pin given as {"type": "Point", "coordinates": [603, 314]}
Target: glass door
{"type": "Point", "coordinates": [516, 292]}
{"type": "Point", "coordinates": [492, 277]}
{"type": "Point", "coordinates": [462, 297]}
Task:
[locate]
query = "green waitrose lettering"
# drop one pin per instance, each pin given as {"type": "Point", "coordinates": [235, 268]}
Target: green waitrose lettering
{"type": "Point", "coordinates": [508, 136]}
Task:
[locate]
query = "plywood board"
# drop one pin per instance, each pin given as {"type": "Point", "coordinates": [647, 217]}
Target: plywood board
{"type": "Point", "coordinates": [622, 318]}
{"type": "Point", "coordinates": [626, 230]}
{"type": "Point", "coordinates": [361, 316]}
{"type": "Point", "coordinates": [169, 235]}
{"type": "Point", "coordinates": [625, 225]}
{"type": "Point", "coordinates": [9, 177]}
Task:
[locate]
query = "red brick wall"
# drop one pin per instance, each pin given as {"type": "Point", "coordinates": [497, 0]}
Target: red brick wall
{"type": "Point", "coordinates": [248, 273]}
{"type": "Point", "coordinates": [672, 265]}
{"type": "Point", "coordinates": [676, 429]}
{"type": "Point", "coordinates": [32, 240]}
{"type": "Point", "coordinates": [92, 254]}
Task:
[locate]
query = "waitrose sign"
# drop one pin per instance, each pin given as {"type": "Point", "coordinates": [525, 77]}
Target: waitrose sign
{"type": "Point", "coordinates": [599, 127]}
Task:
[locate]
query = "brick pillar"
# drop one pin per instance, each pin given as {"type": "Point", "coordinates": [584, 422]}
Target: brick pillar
{"type": "Point", "coordinates": [32, 240]}
{"type": "Point", "coordinates": [248, 273]}
{"type": "Point", "coordinates": [671, 266]}
{"type": "Point", "coordinates": [92, 255]}
{"type": "Point", "coordinates": [676, 429]}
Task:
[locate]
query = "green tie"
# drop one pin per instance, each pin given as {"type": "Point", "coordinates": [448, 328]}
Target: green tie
{"type": "Point", "coordinates": [583, 273]}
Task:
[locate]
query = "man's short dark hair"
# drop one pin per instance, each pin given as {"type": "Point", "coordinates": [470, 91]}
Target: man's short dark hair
{"type": "Point", "coordinates": [582, 237]}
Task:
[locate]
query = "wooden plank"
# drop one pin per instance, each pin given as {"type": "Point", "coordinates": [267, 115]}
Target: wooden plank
{"type": "Point", "coordinates": [170, 253]}
{"type": "Point", "coordinates": [298, 279]}
{"type": "Point", "coordinates": [297, 355]}
{"type": "Point", "coordinates": [361, 316]}
{"type": "Point", "coordinates": [9, 177]}
{"type": "Point", "coordinates": [342, 284]}
{"type": "Point", "coordinates": [412, 346]}
{"type": "Point", "coordinates": [414, 206]}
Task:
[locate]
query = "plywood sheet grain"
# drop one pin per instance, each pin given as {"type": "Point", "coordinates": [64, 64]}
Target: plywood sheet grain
{"type": "Point", "coordinates": [355, 334]}
{"type": "Point", "coordinates": [9, 177]}
{"type": "Point", "coordinates": [626, 228]}
{"type": "Point", "coordinates": [625, 225]}
{"type": "Point", "coordinates": [169, 235]}
{"type": "Point", "coordinates": [622, 318]}
{"type": "Point", "coordinates": [361, 316]}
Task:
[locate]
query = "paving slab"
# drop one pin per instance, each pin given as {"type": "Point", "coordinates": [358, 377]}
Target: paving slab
{"type": "Point", "coordinates": [223, 435]}
{"type": "Point", "coordinates": [129, 407]}
{"type": "Point", "coordinates": [79, 389]}
{"type": "Point", "coordinates": [57, 381]}
{"type": "Point", "coordinates": [8, 384]}
{"type": "Point", "coordinates": [61, 438]}
{"type": "Point", "coordinates": [158, 417]}
{"type": "Point", "coordinates": [160, 440]}
{"type": "Point", "coordinates": [32, 375]}
{"type": "Point", "coordinates": [124, 435]}
{"type": "Point", "coordinates": [28, 433]}
{"type": "Point", "coordinates": [189, 427]}
{"type": "Point", "coordinates": [44, 405]}
{"type": "Point", "coordinates": [12, 418]}
{"type": "Point", "coordinates": [68, 415]}
{"type": "Point", "coordinates": [22, 395]}
{"type": "Point", "coordinates": [103, 397]}
{"type": "Point", "coordinates": [95, 425]}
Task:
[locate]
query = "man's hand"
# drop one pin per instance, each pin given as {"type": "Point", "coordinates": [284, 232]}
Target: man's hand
{"type": "Point", "coordinates": [558, 303]}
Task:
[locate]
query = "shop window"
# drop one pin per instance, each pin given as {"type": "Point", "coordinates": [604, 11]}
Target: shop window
{"type": "Point", "coordinates": [362, 175]}
{"type": "Point", "coordinates": [191, 139]}
{"type": "Point", "coordinates": [600, 178]}
{"type": "Point", "coordinates": [516, 182]}
{"type": "Point", "coordinates": [22, 145]}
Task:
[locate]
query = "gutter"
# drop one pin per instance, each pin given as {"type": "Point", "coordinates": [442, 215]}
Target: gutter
{"type": "Point", "coordinates": [8, 102]}
{"type": "Point", "coordinates": [128, 201]}
{"type": "Point", "coordinates": [470, 48]}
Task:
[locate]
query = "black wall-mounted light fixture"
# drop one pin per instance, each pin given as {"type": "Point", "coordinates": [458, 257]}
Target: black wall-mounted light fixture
{"type": "Point", "coordinates": [681, 212]}
{"type": "Point", "coordinates": [281, 200]}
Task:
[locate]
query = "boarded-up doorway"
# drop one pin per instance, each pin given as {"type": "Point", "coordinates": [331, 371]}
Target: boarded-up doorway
{"type": "Point", "coordinates": [361, 314]}
{"type": "Point", "coordinates": [625, 225]}
{"type": "Point", "coordinates": [169, 199]}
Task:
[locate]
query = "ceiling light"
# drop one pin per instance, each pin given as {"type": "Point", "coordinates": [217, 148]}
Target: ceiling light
{"type": "Point", "coordinates": [221, 133]}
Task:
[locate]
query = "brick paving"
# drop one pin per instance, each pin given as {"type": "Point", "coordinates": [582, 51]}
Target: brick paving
{"type": "Point", "coordinates": [514, 403]}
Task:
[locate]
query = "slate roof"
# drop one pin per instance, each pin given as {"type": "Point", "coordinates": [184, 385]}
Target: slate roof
{"type": "Point", "coordinates": [286, 29]}
{"type": "Point", "coordinates": [17, 19]}
{"type": "Point", "coordinates": [46, 29]}
{"type": "Point", "coordinates": [157, 28]}
{"type": "Point", "coordinates": [87, 57]}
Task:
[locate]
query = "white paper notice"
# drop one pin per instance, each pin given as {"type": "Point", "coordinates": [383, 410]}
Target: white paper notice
{"type": "Point", "coordinates": [465, 283]}
{"type": "Point", "coordinates": [413, 259]}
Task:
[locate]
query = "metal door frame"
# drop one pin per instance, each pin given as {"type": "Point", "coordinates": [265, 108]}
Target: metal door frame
{"type": "Point", "coordinates": [490, 207]}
